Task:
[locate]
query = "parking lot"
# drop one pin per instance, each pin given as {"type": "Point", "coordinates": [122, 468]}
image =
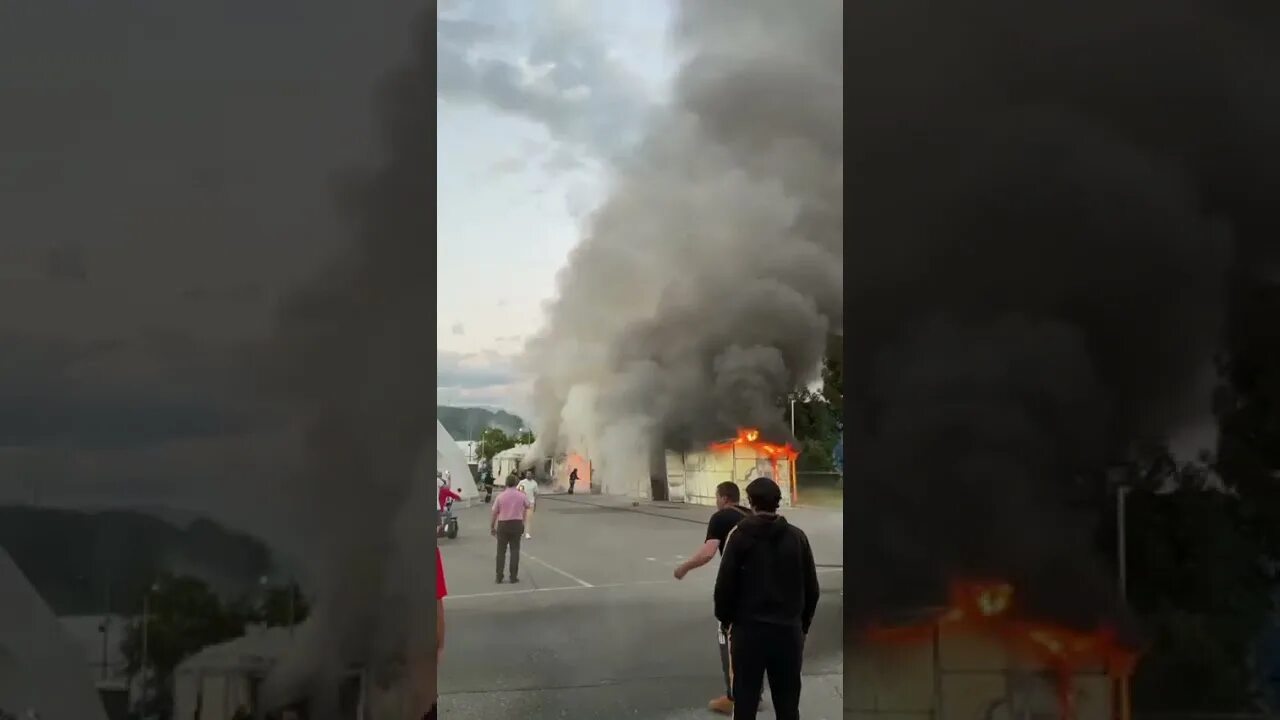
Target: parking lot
{"type": "Point", "coordinates": [598, 627]}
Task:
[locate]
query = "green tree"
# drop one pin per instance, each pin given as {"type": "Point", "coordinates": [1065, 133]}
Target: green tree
{"type": "Point", "coordinates": [184, 615]}
{"type": "Point", "coordinates": [524, 437]}
{"type": "Point", "coordinates": [816, 431]}
{"type": "Point", "coordinates": [819, 415]}
{"type": "Point", "coordinates": [1202, 557]}
{"type": "Point", "coordinates": [1198, 587]}
{"type": "Point", "coordinates": [493, 441]}
{"type": "Point", "coordinates": [281, 605]}
{"type": "Point", "coordinates": [833, 375]}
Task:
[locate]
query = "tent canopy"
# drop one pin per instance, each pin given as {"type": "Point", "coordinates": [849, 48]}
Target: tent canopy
{"type": "Point", "coordinates": [450, 457]}
{"type": "Point", "coordinates": [41, 668]}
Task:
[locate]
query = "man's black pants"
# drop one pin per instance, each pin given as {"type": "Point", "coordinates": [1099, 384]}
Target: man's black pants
{"type": "Point", "coordinates": [760, 648]}
{"type": "Point", "coordinates": [509, 534]}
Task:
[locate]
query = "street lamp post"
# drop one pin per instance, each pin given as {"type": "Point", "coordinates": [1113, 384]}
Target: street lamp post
{"type": "Point", "coordinates": [146, 631]}
{"type": "Point", "coordinates": [792, 399]}
{"type": "Point", "coordinates": [291, 607]}
{"type": "Point", "coordinates": [1122, 560]}
{"type": "Point", "coordinates": [1122, 572]}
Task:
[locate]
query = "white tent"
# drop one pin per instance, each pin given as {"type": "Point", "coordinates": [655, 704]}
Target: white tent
{"type": "Point", "coordinates": [509, 461]}
{"type": "Point", "coordinates": [450, 457]}
{"type": "Point", "coordinates": [41, 668]}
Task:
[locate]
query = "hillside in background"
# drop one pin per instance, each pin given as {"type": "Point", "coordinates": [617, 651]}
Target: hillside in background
{"type": "Point", "coordinates": [464, 423]}
{"type": "Point", "coordinates": [76, 560]}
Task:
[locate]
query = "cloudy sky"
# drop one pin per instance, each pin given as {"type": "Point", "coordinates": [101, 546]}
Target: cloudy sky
{"type": "Point", "coordinates": [533, 101]}
{"type": "Point", "coordinates": [168, 175]}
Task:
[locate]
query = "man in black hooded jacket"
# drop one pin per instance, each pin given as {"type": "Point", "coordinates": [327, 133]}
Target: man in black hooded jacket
{"type": "Point", "coordinates": [766, 595]}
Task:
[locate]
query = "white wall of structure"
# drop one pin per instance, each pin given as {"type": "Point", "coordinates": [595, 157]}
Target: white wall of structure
{"type": "Point", "coordinates": [962, 676]}
{"type": "Point", "coordinates": [693, 477]}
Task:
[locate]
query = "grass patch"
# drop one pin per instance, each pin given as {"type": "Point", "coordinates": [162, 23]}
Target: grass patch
{"type": "Point", "coordinates": [823, 495]}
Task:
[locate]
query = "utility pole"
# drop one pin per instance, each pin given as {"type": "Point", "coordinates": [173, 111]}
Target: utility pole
{"type": "Point", "coordinates": [292, 586]}
{"type": "Point", "coordinates": [1122, 559]}
{"type": "Point", "coordinates": [146, 622]}
{"type": "Point", "coordinates": [106, 629]}
{"type": "Point", "coordinates": [792, 398]}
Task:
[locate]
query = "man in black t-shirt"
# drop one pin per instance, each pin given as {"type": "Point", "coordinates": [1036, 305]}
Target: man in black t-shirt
{"type": "Point", "coordinates": [726, 517]}
{"type": "Point", "coordinates": [766, 596]}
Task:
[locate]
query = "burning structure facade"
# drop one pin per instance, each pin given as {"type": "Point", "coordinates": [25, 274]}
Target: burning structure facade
{"type": "Point", "coordinates": [980, 656]}
{"type": "Point", "coordinates": [1055, 205]}
{"type": "Point", "coordinates": [692, 477]}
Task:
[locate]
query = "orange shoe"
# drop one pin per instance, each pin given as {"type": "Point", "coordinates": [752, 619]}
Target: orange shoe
{"type": "Point", "coordinates": [722, 705]}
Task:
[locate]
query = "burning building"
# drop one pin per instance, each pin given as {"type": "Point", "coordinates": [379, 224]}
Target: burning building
{"type": "Point", "coordinates": [983, 657]}
{"type": "Point", "coordinates": [692, 477]}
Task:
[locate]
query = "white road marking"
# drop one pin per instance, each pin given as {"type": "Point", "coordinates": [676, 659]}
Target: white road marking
{"type": "Point", "coordinates": [602, 586]}
{"type": "Point", "coordinates": [528, 591]}
{"type": "Point", "coordinates": [549, 566]}
{"type": "Point", "coordinates": [652, 559]}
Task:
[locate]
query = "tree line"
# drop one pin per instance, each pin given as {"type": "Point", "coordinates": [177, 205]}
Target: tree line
{"type": "Point", "coordinates": [184, 615]}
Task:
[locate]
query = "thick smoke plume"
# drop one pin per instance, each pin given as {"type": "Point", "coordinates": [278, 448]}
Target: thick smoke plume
{"type": "Point", "coordinates": [355, 351]}
{"type": "Point", "coordinates": [1052, 203]}
{"type": "Point", "coordinates": [708, 281]}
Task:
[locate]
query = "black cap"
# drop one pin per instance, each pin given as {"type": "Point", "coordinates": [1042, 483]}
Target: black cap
{"type": "Point", "coordinates": [764, 492]}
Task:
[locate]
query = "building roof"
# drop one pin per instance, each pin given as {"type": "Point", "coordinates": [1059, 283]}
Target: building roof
{"type": "Point", "coordinates": [258, 649]}
{"type": "Point", "coordinates": [518, 452]}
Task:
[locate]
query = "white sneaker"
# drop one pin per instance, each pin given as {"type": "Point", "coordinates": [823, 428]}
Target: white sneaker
{"type": "Point", "coordinates": [527, 536]}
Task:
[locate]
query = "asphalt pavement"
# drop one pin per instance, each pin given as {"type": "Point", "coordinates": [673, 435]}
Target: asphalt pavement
{"type": "Point", "coordinates": [598, 627]}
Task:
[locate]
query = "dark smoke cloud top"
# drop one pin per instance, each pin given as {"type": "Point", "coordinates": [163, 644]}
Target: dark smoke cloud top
{"type": "Point", "coordinates": [352, 350]}
{"type": "Point", "coordinates": [1052, 204]}
{"type": "Point", "coordinates": [707, 283]}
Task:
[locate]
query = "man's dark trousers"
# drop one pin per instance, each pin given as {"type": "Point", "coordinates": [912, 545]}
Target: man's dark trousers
{"type": "Point", "coordinates": [509, 534]}
{"type": "Point", "coordinates": [760, 648]}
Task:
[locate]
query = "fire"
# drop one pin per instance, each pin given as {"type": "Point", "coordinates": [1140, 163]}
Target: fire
{"type": "Point", "coordinates": [989, 608]}
{"type": "Point", "coordinates": [750, 437]}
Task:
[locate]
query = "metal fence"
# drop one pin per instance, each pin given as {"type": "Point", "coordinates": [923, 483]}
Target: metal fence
{"type": "Point", "coordinates": [1206, 716]}
{"type": "Point", "coordinates": [814, 478]}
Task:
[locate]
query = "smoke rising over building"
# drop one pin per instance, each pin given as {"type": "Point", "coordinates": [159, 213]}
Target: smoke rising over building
{"type": "Point", "coordinates": [706, 284]}
{"type": "Point", "coordinates": [1051, 204]}
{"type": "Point", "coordinates": [352, 349]}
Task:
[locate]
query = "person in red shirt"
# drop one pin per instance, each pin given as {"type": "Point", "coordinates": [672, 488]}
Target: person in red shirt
{"type": "Point", "coordinates": [441, 591]}
{"type": "Point", "coordinates": [446, 493]}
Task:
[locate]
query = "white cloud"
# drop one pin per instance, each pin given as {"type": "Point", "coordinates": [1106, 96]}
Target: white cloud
{"type": "Point", "coordinates": [547, 63]}
{"type": "Point", "coordinates": [479, 378]}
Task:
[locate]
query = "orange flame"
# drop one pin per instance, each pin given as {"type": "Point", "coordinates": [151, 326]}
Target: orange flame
{"type": "Point", "coordinates": [750, 437]}
{"type": "Point", "coordinates": [989, 608]}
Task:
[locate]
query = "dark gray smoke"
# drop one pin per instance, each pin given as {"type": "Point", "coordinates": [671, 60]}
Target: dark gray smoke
{"type": "Point", "coordinates": [355, 349]}
{"type": "Point", "coordinates": [708, 281]}
{"type": "Point", "coordinates": [1051, 203]}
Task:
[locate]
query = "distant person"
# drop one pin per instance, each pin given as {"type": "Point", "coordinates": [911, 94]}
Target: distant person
{"type": "Point", "coordinates": [729, 512]}
{"type": "Point", "coordinates": [766, 595]}
{"type": "Point", "coordinates": [488, 485]}
{"type": "Point", "coordinates": [529, 487]}
{"type": "Point", "coordinates": [573, 479]}
{"type": "Point", "coordinates": [510, 509]}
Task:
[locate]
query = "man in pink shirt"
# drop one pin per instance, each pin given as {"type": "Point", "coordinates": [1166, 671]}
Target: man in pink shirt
{"type": "Point", "coordinates": [507, 524]}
